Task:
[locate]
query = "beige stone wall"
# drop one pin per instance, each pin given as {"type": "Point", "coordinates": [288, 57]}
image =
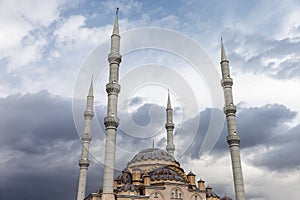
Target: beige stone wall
{"type": "Point", "coordinates": [174, 192]}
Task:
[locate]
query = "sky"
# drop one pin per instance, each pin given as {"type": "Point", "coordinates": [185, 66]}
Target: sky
{"type": "Point", "coordinates": [50, 50]}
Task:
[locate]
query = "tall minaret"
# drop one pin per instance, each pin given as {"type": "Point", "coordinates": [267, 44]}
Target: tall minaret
{"type": "Point", "coordinates": [86, 139]}
{"type": "Point", "coordinates": [111, 121]}
{"type": "Point", "coordinates": [233, 139]}
{"type": "Point", "coordinates": [170, 127]}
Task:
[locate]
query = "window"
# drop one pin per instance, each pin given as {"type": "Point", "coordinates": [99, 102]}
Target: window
{"type": "Point", "coordinates": [176, 194]}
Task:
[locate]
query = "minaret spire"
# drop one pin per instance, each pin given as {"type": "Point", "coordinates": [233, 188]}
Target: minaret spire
{"type": "Point", "coordinates": [91, 88]}
{"type": "Point", "coordinates": [223, 53]}
{"type": "Point", "coordinates": [111, 121]}
{"type": "Point", "coordinates": [86, 140]}
{"type": "Point", "coordinates": [116, 24]}
{"type": "Point", "coordinates": [170, 127]}
{"type": "Point", "coordinates": [233, 139]}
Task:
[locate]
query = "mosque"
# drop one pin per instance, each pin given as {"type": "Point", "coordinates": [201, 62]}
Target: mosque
{"type": "Point", "coordinates": [152, 174]}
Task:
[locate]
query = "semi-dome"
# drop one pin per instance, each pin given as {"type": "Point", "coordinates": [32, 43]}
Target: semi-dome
{"type": "Point", "coordinates": [153, 156]}
{"type": "Point", "coordinates": [165, 174]}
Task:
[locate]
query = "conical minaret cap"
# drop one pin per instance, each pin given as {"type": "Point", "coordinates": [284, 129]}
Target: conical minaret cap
{"type": "Point", "coordinates": [91, 93]}
{"type": "Point", "coordinates": [169, 101]}
{"type": "Point", "coordinates": [116, 24]}
{"type": "Point", "coordinates": [223, 53]}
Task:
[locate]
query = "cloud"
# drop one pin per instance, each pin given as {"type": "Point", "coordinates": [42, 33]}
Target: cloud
{"type": "Point", "coordinates": [39, 147]}
{"type": "Point", "coordinates": [257, 54]}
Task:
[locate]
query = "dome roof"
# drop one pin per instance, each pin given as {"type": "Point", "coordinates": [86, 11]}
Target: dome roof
{"type": "Point", "coordinates": [152, 154]}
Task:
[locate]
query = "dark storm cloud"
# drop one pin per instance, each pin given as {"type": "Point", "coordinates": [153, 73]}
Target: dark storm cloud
{"type": "Point", "coordinates": [39, 148]}
{"type": "Point", "coordinates": [259, 127]}
{"type": "Point", "coordinates": [284, 154]}
{"type": "Point", "coordinates": [266, 127]}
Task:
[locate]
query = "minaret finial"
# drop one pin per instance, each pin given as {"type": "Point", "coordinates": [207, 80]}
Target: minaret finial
{"type": "Point", "coordinates": [169, 101]}
{"type": "Point", "coordinates": [153, 144]}
{"type": "Point", "coordinates": [223, 53]}
{"type": "Point", "coordinates": [91, 93]}
{"type": "Point", "coordinates": [116, 24]}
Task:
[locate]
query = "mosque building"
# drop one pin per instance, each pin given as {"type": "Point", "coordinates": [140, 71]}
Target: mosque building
{"type": "Point", "coordinates": [152, 174]}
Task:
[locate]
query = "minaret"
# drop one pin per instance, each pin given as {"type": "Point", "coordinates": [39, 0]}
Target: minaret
{"type": "Point", "coordinates": [233, 139]}
{"type": "Point", "coordinates": [170, 127]}
{"type": "Point", "coordinates": [86, 139]}
{"type": "Point", "coordinates": [111, 121]}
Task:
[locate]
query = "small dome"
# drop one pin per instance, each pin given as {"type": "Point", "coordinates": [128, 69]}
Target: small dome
{"type": "Point", "coordinates": [152, 154]}
{"type": "Point", "coordinates": [124, 178]}
{"type": "Point", "coordinates": [191, 174]}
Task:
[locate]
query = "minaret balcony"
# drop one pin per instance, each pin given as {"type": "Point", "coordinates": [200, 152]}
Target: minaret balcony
{"type": "Point", "coordinates": [114, 58]}
{"type": "Point", "coordinates": [230, 109]}
{"type": "Point", "coordinates": [233, 139]}
{"type": "Point", "coordinates": [111, 121]}
{"type": "Point", "coordinates": [86, 137]}
{"type": "Point", "coordinates": [113, 88]}
{"type": "Point", "coordinates": [169, 125]}
{"type": "Point", "coordinates": [226, 82]}
{"type": "Point", "coordinates": [84, 162]}
{"type": "Point", "coordinates": [88, 113]}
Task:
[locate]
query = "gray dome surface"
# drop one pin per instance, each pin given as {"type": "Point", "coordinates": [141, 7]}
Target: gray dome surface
{"type": "Point", "coordinates": [152, 154]}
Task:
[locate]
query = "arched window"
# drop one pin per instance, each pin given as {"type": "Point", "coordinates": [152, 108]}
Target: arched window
{"type": "Point", "coordinates": [176, 194]}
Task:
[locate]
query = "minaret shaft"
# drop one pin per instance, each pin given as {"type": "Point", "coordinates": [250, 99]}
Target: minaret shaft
{"type": "Point", "coordinates": [111, 121]}
{"type": "Point", "coordinates": [86, 139]}
{"type": "Point", "coordinates": [170, 127]}
{"type": "Point", "coordinates": [233, 139]}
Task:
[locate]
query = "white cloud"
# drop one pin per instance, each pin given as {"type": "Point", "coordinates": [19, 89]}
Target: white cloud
{"type": "Point", "coordinates": [18, 18]}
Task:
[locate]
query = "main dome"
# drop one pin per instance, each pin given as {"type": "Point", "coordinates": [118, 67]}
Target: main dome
{"type": "Point", "coordinates": [151, 156]}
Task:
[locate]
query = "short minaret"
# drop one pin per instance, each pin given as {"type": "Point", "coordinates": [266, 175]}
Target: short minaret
{"type": "Point", "coordinates": [86, 139]}
{"type": "Point", "coordinates": [170, 127]}
{"type": "Point", "coordinates": [111, 121]}
{"type": "Point", "coordinates": [233, 139]}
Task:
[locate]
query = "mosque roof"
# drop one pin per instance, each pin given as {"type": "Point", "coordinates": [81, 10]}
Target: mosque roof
{"type": "Point", "coordinates": [152, 154]}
